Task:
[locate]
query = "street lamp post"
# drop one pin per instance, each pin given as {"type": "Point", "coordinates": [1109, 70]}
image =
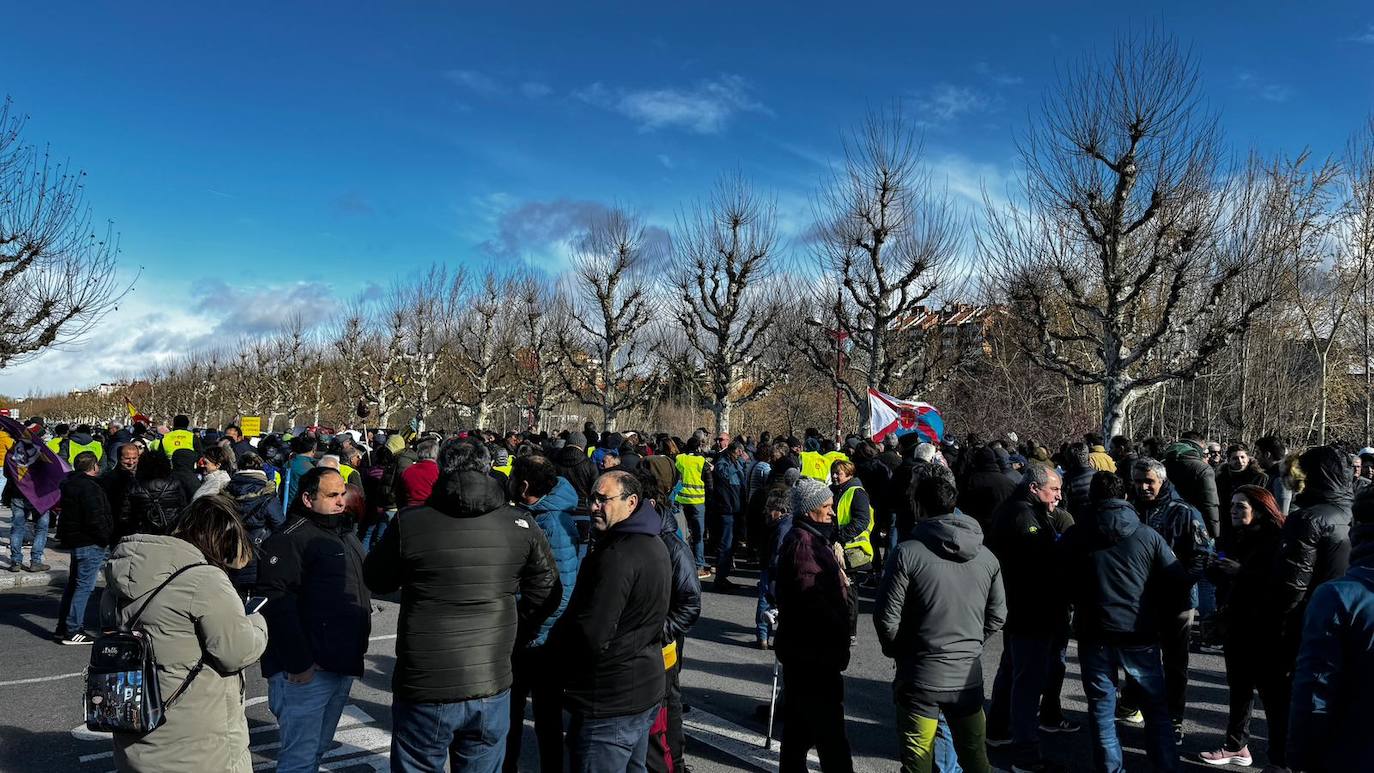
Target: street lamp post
{"type": "Point", "coordinates": [839, 335]}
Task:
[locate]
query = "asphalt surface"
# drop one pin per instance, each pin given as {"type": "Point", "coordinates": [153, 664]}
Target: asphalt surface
{"type": "Point", "coordinates": [725, 682]}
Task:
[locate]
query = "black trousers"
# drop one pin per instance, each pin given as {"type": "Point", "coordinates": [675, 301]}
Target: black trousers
{"type": "Point", "coordinates": [535, 675]}
{"type": "Point", "coordinates": [1174, 633]}
{"type": "Point", "coordinates": [813, 715]}
{"type": "Point", "coordinates": [1252, 665]}
{"type": "Point", "coordinates": [673, 738]}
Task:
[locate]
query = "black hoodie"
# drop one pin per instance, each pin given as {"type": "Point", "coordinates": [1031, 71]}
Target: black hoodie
{"type": "Point", "coordinates": [1315, 546]}
{"type": "Point", "coordinates": [610, 638]}
{"type": "Point", "coordinates": [940, 599]}
{"type": "Point", "coordinates": [1120, 576]}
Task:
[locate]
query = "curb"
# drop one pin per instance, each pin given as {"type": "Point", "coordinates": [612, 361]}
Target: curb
{"type": "Point", "coordinates": [10, 579]}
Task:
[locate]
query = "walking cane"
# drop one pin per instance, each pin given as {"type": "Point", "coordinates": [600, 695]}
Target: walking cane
{"type": "Point", "coordinates": [772, 705]}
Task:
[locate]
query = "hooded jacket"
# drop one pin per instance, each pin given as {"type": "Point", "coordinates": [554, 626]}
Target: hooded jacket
{"type": "Point", "coordinates": [198, 615]}
{"type": "Point", "coordinates": [941, 597]}
{"type": "Point", "coordinates": [813, 599]}
{"type": "Point", "coordinates": [572, 463]}
{"type": "Point", "coordinates": [985, 488]}
{"type": "Point", "coordinates": [1120, 576]}
{"type": "Point", "coordinates": [684, 603]}
{"type": "Point", "coordinates": [1315, 546]}
{"type": "Point", "coordinates": [611, 636]}
{"type": "Point", "coordinates": [1184, 532]}
{"type": "Point", "coordinates": [1333, 684]}
{"type": "Point", "coordinates": [1190, 473]}
{"type": "Point", "coordinates": [553, 512]}
{"type": "Point", "coordinates": [259, 508]}
{"type": "Point", "coordinates": [476, 578]}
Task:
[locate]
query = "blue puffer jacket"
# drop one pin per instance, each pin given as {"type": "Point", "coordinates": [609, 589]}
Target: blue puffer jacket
{"type": "Point", "coordinates": [554, 514]}
{"type": "Point", "coordinates": [1334, 680]}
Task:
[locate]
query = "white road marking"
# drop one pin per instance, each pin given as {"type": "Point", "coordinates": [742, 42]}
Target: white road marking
{"type": "Point", "coordinates": [741, 743]}
{"type": "Point", "coordinates": [354, 740]}
{"type": "Point", "coordinates": [382, 637]}
{"type": "Point", "coordinates": [37, 679]}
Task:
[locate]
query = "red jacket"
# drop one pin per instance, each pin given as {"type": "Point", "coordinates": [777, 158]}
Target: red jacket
{"type": "Point", "coordinates": [418, 481]}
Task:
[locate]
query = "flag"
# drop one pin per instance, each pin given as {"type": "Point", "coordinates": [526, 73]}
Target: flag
{"type": "Point", "coordinates": [890, 416]}
{"type": "Point", "coordinates": [129, 406]}
{"type": "Point", "coordinates": [36, 471]}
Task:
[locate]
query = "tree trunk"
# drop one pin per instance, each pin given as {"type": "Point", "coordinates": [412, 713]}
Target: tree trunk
{"type": "Point", "coordinates": [1321, 407]}
{"type": "Point", "coordinates": [724, 411]}
{"type": "Point", "coordinates": [1116, 400]}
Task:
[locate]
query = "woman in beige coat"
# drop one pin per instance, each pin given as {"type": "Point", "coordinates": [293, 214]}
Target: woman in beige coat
{"type": "Point", "coordinates": [197, 616]}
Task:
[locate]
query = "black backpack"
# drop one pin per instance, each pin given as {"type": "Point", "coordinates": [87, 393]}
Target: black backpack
{"type": "Point", "coordinates": [122, 693]}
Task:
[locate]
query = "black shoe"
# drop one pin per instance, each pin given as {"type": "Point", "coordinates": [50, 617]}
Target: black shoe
{"type": "Point", "coordinates": [722, 585]}
{"type": "Point", "coordinates": [38, 567]}
{"type": "Point", "coordinates": [16, 568]}
{"type": "Point", "coordinates": [1062, 726]}
{"type": "Point", "coordinates": [999, 740]}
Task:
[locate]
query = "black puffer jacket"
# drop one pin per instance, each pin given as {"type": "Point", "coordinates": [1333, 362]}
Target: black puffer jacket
{"type": "Point", "coordinates": [684, 606]}
{"type": "Point", "coordinates": [1186, 463]}
{"type": "Point", "coordinates": [85, 512]}
{"type": "Point", "coordinates": [476, 577]}
{"type": "Point", "coordinates": [1315, 546]}
{"type": "Point", "coordinates": [611, 635]}
{"type": "Point", "coordinates": [318, 609]}
{"type": "Point", "coordinates": [260, 510]}
{"type": "Point", "coordinates": [985, 488]}
{"type": "Point", "coordinates": [154, 506]}
{"type": "Point", "coordinates": [1077, 481]}
{"type": "Point", "coordinates": [574, 464]}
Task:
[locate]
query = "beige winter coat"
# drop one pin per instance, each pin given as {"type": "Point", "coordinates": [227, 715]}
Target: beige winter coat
{"type": "Point", "coordinates": [197, 614]}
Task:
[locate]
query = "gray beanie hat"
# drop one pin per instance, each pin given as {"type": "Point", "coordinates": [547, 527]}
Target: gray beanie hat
{"type": "Point", "coordinates": [577, 439]}
{"type": "Point", "coordinates": [809, 494]}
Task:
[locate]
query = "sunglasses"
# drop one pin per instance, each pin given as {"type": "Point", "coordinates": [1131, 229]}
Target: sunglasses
{"type": "Point", "coordinates": [601, 499]}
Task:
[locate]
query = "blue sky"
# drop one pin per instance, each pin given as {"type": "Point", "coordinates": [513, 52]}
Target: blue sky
{"type": "Point", "coordinates": [259, 156]}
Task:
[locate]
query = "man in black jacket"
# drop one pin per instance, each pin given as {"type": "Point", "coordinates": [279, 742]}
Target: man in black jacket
{"type": "Point", "coordinates": [85, 528]}
{"type": "Point", "coordinates": [317, 618]}
{"type": "Point", "coordinates": [476, 578]}
{"type": "Point", "coordinates": [1122, 580]}
{"type": "Point", "coordinates": [611, 634]}
{"type": "Point", "coordinates": [1022, 536]}
{"type": "Point", "coordinates": [117, 482]}
{"type": "Point", "coordinates": [572, 463]}
{"type": "Point", "coordinates": [684, 607]}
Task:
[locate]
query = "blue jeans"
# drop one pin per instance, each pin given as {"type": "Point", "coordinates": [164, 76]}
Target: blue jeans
{"type": "Point", "coordinates": [85, 568]}
{"type": "Point", "coordinates": [471, 734]}
{"type": "Point", "coordinates": [761, 627]}
{"type": "Point", "coordinates": [725, 558]}
{"type": "Point", "coordinates": [373, 534]}
{"type": "Point", "coordinates": [946, 757]}
{"type": "Point", "coordinates": [696, 522]}
{"type": "Point", "coordinates": [20, 510]}
{"type": "Point", "coordinates": [609, 744]}
{"type": "Point", "coordinates": [1016, 690]}
{"type": "Point", "coordinates": [308, 715]}
{"type": "Point", "coordinates": [1099, 665]}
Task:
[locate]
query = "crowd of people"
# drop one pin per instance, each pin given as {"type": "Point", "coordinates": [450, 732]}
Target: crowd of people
{"type": "Point", "coordinates": [514, 556]}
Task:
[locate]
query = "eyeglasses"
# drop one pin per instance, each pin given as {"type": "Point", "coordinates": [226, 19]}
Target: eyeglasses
{"type": "Point", "coordinates": [601, 499]}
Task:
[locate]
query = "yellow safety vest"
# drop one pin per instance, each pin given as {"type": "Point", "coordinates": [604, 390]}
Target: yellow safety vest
{"type": "Point", "coordinates": [504, 468]}
{"type": "Point", "coordinates": [832, 457]}
{"type": "Point", "coordinates": [814, 466]}
{"type": "Point", "coordinates": [73, 449]}
{"type": "Point", "coordinates": [693, 491]}
{"type": "Point", "coordinates": [55, 445]}
{"type": "Point", "coordinates": [346, 471]}
{"type": "Point", "coordinates": [176, 440]}
{"type": "Point", "coordinates": [843, 516]}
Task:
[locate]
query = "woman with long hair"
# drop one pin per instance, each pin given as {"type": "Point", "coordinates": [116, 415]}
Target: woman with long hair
{"type": "Point", "coordinates": [200, 632]}
{"type": "Point", "coordinates": [1251, 622]}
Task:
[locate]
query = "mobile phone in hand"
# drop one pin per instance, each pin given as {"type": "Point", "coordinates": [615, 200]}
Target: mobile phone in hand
{"type": "Point", "coordinates": [253, 604]}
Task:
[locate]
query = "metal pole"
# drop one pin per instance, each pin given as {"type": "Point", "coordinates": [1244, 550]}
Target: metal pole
{"type": "Point", "coordinates": [772, 705]}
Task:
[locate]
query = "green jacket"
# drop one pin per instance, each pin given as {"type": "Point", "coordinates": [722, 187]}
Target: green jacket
{"type": "Point", "coordinates": [197, 615]}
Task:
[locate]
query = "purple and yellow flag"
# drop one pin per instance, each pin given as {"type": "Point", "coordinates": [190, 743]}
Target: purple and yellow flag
{"type": "Point", "coordinates": [35, 469]}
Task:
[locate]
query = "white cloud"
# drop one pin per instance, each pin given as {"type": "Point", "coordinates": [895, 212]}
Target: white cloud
{"type": "Point", "coordinates": [1367, 37]}
{"type": "Point", "coordinates": [1000, 78]}
{"type": "Point", "coordinates": [1265, 90]}
{"type": "Point", "coordinates": [535, 89]}
{"type": "Point", "coordinates": [946, 102]}
{"type": "Point", "coordinates": [705, 108]}
{"type": "Point", "coordinates": [665, 160]}
{"type": "Point", "coordinates": [475, 81]}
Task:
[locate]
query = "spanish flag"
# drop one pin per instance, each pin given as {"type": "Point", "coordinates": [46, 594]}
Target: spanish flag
{"type": "Point", "coordinates": [129, 406]}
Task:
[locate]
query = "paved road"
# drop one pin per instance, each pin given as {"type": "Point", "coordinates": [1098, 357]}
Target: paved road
{"type": "Point", "coordinates": [725, 681]}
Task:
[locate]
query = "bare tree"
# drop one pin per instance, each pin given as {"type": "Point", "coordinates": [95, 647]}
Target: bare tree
{"type": "Point", "coordinates": [889, 237]}
{"type": "Point", "coordinates": [727, 252]}
{"type": "Point", "coordinates": [540, 317]}
{"type": "Point", "coordinates": [1130, 239]}
{"type": "Point", "coordinates": [432, 302]}
{"type": "Point", "coordinates": [58, 277]}
{"type": "Point", "coordinates": [1358, 239]}
{"type": "Point", "coordinates": [478, 349]}
{"type": "Point", "coordinates": [369, 344]}
{"type": "Point", "coordinates": [608, 345]}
